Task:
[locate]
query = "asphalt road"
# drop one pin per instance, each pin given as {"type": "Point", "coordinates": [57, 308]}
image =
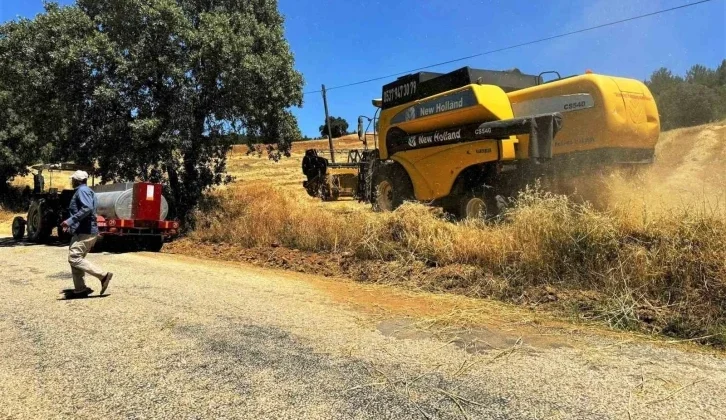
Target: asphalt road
{"type": "Point", "coordinates": [190, 339]}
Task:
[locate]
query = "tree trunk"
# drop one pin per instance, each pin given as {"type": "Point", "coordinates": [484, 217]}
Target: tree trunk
{"type": "Point", "coordinates": [176, 188]}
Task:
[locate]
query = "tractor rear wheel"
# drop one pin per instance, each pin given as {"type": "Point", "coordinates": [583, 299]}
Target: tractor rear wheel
{"type": "Point", "coordinates": [18, 228]}
{"type": "Point", "coordinates": [38, 229]}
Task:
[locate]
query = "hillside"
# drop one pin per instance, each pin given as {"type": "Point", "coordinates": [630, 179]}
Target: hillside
{"type": "Point", "coordinates": [349, 141]}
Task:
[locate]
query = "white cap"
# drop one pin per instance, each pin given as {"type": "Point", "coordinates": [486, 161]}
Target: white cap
{"type": "Point", "coordinates": [80, 175]}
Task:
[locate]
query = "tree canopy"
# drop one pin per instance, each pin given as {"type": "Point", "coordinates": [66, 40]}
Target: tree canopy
{"type": "Point", "coordinates": [697, 98]}
{"type": "Point", "coordinates": [338, 127]}
{"type": "Point", "coordinates": [147, 89]}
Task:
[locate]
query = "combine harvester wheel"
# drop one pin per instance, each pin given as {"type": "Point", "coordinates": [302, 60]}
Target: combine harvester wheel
{"type": "Point", "coordinates": [392, 187]}
{"type": "Point", "coordinates": [473, 207]}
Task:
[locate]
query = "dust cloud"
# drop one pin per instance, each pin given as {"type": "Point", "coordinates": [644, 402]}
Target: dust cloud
{"type": "Point", "coordinates": [689, 174]}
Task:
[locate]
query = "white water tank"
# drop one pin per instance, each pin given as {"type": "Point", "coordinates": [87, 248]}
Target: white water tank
{"type": "Point", "coordinates": [118, 204]}
{"type": "Point", "coordinates": [115, 205]}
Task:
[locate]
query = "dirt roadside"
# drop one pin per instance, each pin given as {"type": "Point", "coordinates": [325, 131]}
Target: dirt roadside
{"type": "Point", "coordinates": [547, 301]}
{"type": "Point", "coordinates": [184, 338]}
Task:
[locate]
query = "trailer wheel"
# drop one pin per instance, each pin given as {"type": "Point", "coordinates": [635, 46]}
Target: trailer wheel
{"type": "Point", "coordinates": [391, 188]}
{"type": "Point", "coordinates": [153, 244]}
{"type": "Point", "coordinates": [38, 231]}
{"type": "Point", "coordinates": [18, 228]}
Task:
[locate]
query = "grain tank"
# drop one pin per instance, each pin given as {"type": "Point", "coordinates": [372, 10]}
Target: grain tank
{"type": "Point", "coordinates": [134, 212]}
{"type": "Point", "coordinates": [606, 120]}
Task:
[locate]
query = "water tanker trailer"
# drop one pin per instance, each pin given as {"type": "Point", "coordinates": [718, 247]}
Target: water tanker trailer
{"type": "Point", "coordinates": [128, 214]}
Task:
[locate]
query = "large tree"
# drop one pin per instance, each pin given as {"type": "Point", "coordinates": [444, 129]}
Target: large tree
{"type": "Point", "coordinates": [151, 89]}
{"type": "Point", "coordinates": [662, 80]}
{"type": "Point", "coordinates": [338, 127]}
{"type": "Point", "coordinates": [47, 80]}
{"type": "Point", "coordinates": [16, 143]}
{"type": "Point", "coordinates": [698, 98]}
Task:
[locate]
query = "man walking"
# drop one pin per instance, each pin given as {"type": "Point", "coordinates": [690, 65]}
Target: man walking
{"type": "Point", "coordinates": [82, 225]}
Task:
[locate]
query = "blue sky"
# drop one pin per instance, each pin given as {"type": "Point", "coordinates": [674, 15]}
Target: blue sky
{"type": "Point", "coordinates": [338, 41]}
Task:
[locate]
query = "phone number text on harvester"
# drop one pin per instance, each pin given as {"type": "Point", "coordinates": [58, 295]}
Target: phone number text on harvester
{"type": "Point", "coordinates": [403, 91]}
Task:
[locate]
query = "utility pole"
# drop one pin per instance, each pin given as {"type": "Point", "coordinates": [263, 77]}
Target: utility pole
{"type": "Point", "coordinates": [327, 122]}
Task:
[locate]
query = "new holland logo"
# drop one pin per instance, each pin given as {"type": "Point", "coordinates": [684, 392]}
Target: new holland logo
{"type": "Point", "coordinates": [412, 141]}
{"type": "Point", "coordinates": [448, 103]}
{"type": "Point", "coordinates": [411, 114]}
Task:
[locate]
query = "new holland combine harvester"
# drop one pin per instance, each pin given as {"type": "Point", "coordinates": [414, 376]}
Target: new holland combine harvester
{"type": "Point", "coordinates": [464, 139]}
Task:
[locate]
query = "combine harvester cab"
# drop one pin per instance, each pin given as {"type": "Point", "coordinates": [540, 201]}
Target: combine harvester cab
{"type": "Point", "coordinates": [607, 121]}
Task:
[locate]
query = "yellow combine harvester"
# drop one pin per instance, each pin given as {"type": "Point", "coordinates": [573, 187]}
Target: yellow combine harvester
{"type": "Point", "coordinates": [463, 139]}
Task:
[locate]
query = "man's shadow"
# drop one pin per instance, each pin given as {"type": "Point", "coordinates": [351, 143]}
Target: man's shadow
{"type": "Point", "coordinates": [100, 247]}
{"type": "Point", "coordinates": [69, 295]}
{"type": "Point", "coordinates": [12, 243]}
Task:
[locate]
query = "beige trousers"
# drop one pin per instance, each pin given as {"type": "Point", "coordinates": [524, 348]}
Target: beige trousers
{"type": "Point", "coordinates": [80, 246]}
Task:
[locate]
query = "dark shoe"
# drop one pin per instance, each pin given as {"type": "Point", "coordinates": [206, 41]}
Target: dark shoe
{"type": "Point", "coordinates": [104, 283]}
{"type": "Point", "coordinates": [74, 294]}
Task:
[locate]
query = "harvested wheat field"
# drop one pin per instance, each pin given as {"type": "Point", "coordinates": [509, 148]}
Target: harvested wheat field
{"type": "Point", "coordinates": [649, 256]}
{"type": "Point", "coordinates": [5, 221]}
{"type": "Point", "coordinates": [350, 141]}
